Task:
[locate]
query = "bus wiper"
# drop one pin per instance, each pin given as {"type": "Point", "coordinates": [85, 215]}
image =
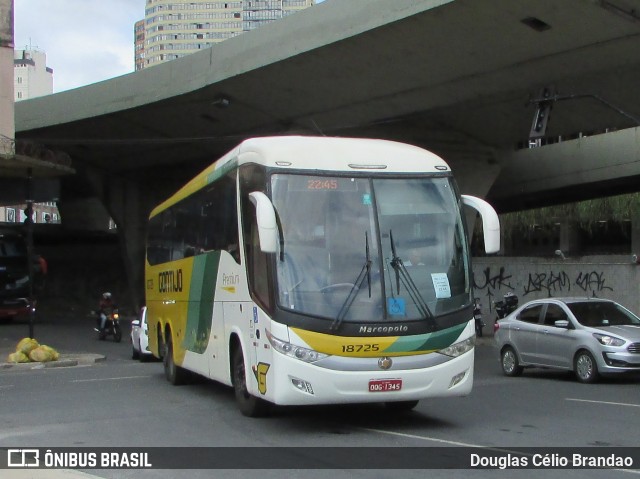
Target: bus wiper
{"type": "Point", "coordinates": [368, 260]}
{"type": "Point", "coordinates": [403, 276]}
{"type": "Point", "coordinates": [365, 272]}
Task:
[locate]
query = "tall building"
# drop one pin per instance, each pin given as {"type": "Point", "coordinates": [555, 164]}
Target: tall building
{"type": "Point", "coordinates": [139, 45]}
{"type": "Point", "coordinates": [175, 28]}
{"type": "Point", "coordinates": [31, 75]}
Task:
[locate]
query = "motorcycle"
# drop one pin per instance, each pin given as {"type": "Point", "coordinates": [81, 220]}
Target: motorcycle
{"type": "Point", "coordinates": [477, 316]}
{"type": "Point", "coordinates": [111, 327]}
{"type": "Point", "coordinates": [505, 307]}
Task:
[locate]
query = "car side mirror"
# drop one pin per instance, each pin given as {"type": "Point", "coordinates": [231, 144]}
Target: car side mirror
{"type": "Point", "coordinates": [135, 322]}
{"type": "Point", "coordinates": [562, 323]}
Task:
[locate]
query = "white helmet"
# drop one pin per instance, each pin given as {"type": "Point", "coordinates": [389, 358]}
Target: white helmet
{"type": "Point", "coordinates": [106, 295]}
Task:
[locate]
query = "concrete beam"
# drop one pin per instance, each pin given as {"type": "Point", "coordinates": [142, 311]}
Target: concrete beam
{"type": "Point", "coordinates": [588, 167]}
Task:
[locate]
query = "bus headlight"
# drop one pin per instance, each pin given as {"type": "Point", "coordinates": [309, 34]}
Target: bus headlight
{"type": "Point", "coordinates": [298, 352]}
{"type": "Point", "coordinates": [458, 349]}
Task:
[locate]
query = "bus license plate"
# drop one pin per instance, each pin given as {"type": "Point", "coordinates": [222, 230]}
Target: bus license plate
{"type": "Point", "coordinates": [384, 385]}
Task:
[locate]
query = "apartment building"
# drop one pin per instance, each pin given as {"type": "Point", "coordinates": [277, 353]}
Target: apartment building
{"type": "Point", "coordinates": [31, 75]}
{"type": "Point", "coordinates": [31, 78]}
{"type": "Point", "coordinates": [175, 28]}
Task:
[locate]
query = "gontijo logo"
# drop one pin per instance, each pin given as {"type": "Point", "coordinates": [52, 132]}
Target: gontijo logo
{"type": "Point", "coordinates": [170, 281]}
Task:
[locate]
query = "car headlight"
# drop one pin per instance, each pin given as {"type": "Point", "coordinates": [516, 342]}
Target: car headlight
{"type": "Point", "coordinates": [608, 340]}
{"type": "Point", "coordinates": [298, 352]}
{"type": "Point", "coordinates": [458, 349]}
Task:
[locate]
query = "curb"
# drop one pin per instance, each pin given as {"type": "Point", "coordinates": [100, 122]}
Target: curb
{"type": "Point", "coordinates": [65, 360]}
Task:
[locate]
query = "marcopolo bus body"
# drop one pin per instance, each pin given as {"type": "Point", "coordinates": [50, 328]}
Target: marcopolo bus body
{"type": "Point", "coordinates": [306, 270]}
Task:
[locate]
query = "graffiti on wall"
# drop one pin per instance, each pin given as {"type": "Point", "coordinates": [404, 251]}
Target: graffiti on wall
{"type": "Point", "coordinates": [547, 283]}
{"type": "Point", "coordinates": [553, 283]}
{"type": "Point", "coordinates": [490, 283]}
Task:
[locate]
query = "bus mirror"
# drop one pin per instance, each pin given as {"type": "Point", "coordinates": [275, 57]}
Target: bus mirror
{"type": "Point", "coordinates": [490, 222]}
{"type": "Point", "coordinates": [266, 217]}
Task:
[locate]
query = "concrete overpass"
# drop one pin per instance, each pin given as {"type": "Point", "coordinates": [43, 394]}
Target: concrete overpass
{"type": "Point", "coordinates": [454, 76]}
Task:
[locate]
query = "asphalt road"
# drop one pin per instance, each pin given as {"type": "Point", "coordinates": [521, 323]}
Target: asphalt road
{"type": "Point", "coordinates": [124, 403]}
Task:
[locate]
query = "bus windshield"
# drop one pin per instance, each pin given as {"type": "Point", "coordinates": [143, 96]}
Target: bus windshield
{"type": "Point", "coordinates": [370, 249]}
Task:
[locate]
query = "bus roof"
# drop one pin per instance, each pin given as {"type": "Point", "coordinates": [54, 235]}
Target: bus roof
{"type": "Point", "coordinates": [313, 153]}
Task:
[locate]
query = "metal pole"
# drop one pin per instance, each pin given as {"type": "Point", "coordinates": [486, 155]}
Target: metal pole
{"type": "Point", "coordinates": [30, 256]}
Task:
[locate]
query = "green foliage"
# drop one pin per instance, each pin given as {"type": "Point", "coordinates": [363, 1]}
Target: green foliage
{"type": "Point", "coordinates": [586, 214]}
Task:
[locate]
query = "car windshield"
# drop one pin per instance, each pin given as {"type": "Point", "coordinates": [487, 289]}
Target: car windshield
{"type": "Point", "coordinates": [12, 247]}
{"type": "Point", "coordinates": [596, 314]}
{"type": "Point", "coordinates": [366, 250]}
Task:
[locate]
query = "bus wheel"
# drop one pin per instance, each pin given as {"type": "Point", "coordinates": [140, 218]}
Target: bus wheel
{"type": "Point", "coordinates": [401, 405]}
{"type": "Point", "coordinates": [248, 404]}
{"type": "Point", "coordinates": [160, 345]}
{"type": "Point", "coordinates": [174, 373]}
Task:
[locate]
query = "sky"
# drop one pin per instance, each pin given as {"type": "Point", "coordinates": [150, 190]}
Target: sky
{"type": "Point", "coordinates": [85, 41]}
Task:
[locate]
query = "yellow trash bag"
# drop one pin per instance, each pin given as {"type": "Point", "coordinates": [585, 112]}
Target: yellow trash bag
{"type": "Point", "coordinates": [26, 345]}
{"type": "Point", "coordinates": [17, 357]}
{"type": "Point", "coordinates": [42, 355]}
{"type": "Point", "coordinates": [54, 354]}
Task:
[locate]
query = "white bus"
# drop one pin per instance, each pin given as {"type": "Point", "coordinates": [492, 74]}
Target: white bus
{"type": "Point", "coordinates": [304, 270]}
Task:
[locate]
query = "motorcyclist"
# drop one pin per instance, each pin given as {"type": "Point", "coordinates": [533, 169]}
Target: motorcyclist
{"type": "Point", "coordinates": [105, 308]}
{"type": "Point", "coordinates": [477, 315]}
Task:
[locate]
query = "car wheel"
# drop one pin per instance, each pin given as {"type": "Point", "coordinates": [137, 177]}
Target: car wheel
{"type": "Point", "coordinates": [134, 353]}
{"type": "Point", "coordinates": [248, 404]}
{"type": "Point", "coordinates": [143, 357]}
{"type": "Point", "coordinates": [510, 364]}
{"type": "Point", "coordinates": [585, 367]}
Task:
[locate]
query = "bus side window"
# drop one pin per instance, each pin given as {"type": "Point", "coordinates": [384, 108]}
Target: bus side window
{"type": "Point", "coordinates": [158, 246]}
{"type": "Point", "coordinates": [218, 217]}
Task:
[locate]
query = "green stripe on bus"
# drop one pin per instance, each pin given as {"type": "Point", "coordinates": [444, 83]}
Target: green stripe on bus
{"type": "Point", "coordinates": [427, 342]}
{"type": "Point", "coordinates": [222, 170]}
{"type": "Point", "coordinates": [201, 296]}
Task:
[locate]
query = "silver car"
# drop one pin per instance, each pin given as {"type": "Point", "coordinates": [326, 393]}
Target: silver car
{"type": "Point", "coordinates": [589, 336]}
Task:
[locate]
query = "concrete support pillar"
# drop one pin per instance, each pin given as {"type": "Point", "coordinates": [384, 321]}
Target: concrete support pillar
{"type": "Point", "coordinates": [86, 214]}
{"type": "Point", "coordinates": [569, 238]}
{"type": "Point", "coordinates": [7, 121]}
{"type": "Point", "coordinates": [130, 212]}
{"type": "Point", "coordinates": [123, 200]}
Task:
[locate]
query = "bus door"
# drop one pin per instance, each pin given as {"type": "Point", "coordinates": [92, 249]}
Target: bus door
{"type": "Point", "coordinates": [259, 360]}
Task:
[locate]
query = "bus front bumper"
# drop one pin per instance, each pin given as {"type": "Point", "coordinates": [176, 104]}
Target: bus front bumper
{"type": "Point", "coordinates": [300, 383]}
